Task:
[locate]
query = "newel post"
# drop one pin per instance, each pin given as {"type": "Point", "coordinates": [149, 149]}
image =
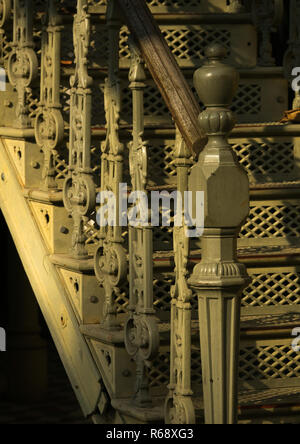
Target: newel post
{"type": "Point", "coordinates": [219, 278]}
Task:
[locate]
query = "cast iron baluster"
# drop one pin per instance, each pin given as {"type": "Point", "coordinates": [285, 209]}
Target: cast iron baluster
{"type": "Point", "coordinates": [219, 278]}
{"type": "Point", "coordinates": [5, 13]}
{"type": "Point", "coordinates": [266, 14]}
{"type": "Point", "coordinates": [179, 405]}
{"type": "Point", "coordinates": [141, 329]}
{"type": "Point", "coordinates": [79, 187]}
{"type": "Point", "coordinates": [110, 257]}
{"type": "Point", "coordinates": [49, 125]}
{"type": "Point", "coordinates": [292, 55]}
{"type": "Point", "coordinates": [23, 62]}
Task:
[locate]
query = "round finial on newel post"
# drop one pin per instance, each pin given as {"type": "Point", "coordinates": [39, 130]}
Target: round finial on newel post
{"type": "Point", "coordinates": [216, 82]}
{"type": "Point", "coordinates": [219, 278]}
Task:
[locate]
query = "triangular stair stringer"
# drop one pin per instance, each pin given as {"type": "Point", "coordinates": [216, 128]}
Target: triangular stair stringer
{"type": "Point", "coordinates": [48, 288]}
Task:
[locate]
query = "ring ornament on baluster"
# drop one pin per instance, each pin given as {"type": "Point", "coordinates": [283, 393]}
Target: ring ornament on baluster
{"type": "Point", "coordinates": [142, 335]}
{"type": "Point", "coordinates": [49, 128]}
{"type": "Point", "coordinates": [79, 192]}
{"type": "Point", "coordinates": [22, 65]}
{"type": "Point", "coordinates": [131, 341]}
{"type": "Point", "coordinates": [5, 11]}
{"type": "Point", "coordinates": [111, 263]}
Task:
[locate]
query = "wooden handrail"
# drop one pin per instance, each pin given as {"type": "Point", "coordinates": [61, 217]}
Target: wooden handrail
{"type": "Point", "coordinates": [165, 71]}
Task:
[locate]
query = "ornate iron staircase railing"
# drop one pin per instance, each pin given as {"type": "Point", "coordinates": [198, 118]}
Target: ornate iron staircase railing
{"type": "Point", "coordinates": [121, 302]}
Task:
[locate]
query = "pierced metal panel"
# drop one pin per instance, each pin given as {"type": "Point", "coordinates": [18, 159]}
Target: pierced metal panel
{"type": "Point", "coordinates": [260, 100]}
{"type": "Point", "coordinates": [273, 289]}
{"type": "Point", "coordinates": [61, 166]}
{"type": "Point", "coordinates": [269, 362]}
{"type": "Point", "coordinates": [250, 105]}
{"type": "Point", "coordinates": [247, 100]}
{"type": "Point", "coordinates": [272, 221]}
{"type": "Point", "coordinates": [266, 160]}
{"type": "Point", "coordinates": [161, 157]}
{"type": "Point", "coordinates": [159, 372]}
{"type": "Point", "coordinates": [188, 43]}
{"type": "Point", "coordinates": [162, 291]}
{"type": "Point", "coordinates": [6, 46]}
{"type": "Point", "coordinates": [122, 298]}
{"type": "Point", "coordinates": [265, 362]}
{"type": "Point", "coordinates": [162, 283]}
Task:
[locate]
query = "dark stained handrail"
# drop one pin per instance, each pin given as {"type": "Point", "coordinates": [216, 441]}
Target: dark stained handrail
{"type": "Point", "coordinates": [165, 71]}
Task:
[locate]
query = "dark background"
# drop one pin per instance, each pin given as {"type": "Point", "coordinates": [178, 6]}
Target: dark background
{"type": "Point", "coordinates": [34, 387]}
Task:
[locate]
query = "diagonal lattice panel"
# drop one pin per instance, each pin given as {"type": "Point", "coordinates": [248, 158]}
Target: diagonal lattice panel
{"type": "Point", "coordinates": [159, 372]}
{"type": "Point", "coordinates": [272, 221]}
{"type": "Point", "coordinates": [247, 100]}
{"type": "Point", "coordinates": [187, 43]}
{"type": "Point", "coordinates": [61, 165]}
{"type": "Point", "coordinates": [273, 362]}
{"type": "Point", "coordinates": [161, 157]}
{"type": "Point", "coordinates": [162, 291]}
{"type": "Point", "coordinates": [265, 158]}
{"type": "Point", "coordinates": [272, 289]}
{"type": "Point", "coordinates": [256, 364]}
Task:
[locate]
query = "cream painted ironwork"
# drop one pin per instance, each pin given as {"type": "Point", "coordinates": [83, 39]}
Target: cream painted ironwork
{"type": "Point", "coordinates": [110, 257]}
{"type": "Point", "coordinates": [141, 329]}
{"type": "Point", "coordinates": [5, 14]}
{"type": "Point", "coordinates": [49, 124]}
{"type": "Point", "coordinates": [23, 62]}
{"type": "Point", "coordinates": [156, 298]}
{"type": "Point", "coordinates": [79, 187]}
{"type": "Point", "coordinates": [179, 407]}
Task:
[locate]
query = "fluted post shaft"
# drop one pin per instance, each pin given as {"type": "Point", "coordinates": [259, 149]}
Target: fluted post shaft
{"type": "Point", "coordinates": [219, 278]}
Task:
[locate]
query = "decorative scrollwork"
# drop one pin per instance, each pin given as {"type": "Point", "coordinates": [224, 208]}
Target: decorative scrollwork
{"type": "Point", "coordinates": [79, 188]}
{"type": "Point", "coordinates": [49, 124]}
{"type": "Point", "coordinates": [5, 14]}
{"type": "Point", "coordinates": [180, 410]}
{"type": "Point", "coordinates": [110, 258]}
{"type": "Point", "coordinates": [141, 329]}
{"type": "Point", "coordinates": [22, 62]}
{"type": "Point", "coordinates": [111, 271]}
{"type": "Point", "coordinates": [5, 11]}
{"type": "Point", "coordinates": [179, 406]}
